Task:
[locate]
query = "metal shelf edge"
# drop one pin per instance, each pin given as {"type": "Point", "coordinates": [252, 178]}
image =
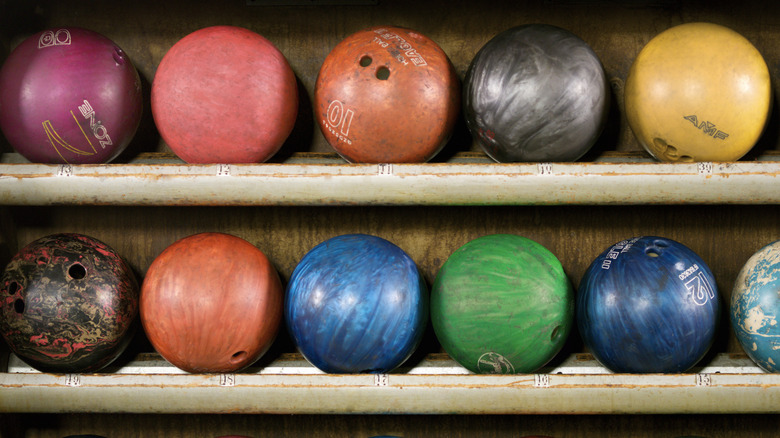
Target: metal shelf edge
{"type": "Point", "coordinates": [599, 183]}
{"type": "Point", "coordinates": [437, 385]}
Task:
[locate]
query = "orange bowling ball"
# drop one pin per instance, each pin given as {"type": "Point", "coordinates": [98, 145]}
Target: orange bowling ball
{"type": "Point", "coordinates": [698, 92]}
{"type": "Point", "coordinates": [224, 94]}
{"type": "Point", "coordinates": [387, 95]}
{"type": "Point", "coordinates": [211, 303]}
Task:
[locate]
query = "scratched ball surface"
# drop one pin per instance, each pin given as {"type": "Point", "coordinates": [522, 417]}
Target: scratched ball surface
{"type": "Point", "coordinates": [648, 305]}
{"type": "Point", "coordinates": [69, 95]}
{"type": "Point", "coordinates": [387, 95]}
{"type": "Point", "coordinates": [69, 304]}
{"type": "Point", "coordinates": [211, 303]}
{"type": "Point", "coordinates": [535, 93]}
{"type": "Point", "coordinates": [356, 304]}
{"type": "Point", "coordinates": [502, 304]}
{"type": "Point", "coordinates": [698, 92]}
{"type": "Point", "coordinates": [224, 94]}
{"type": "Point", "coordinates": [755, 307]}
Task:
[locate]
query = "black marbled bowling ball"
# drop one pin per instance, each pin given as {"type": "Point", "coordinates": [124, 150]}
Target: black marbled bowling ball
{"type": "Point", "coordinates": [536, 93]}
{"type": "Point", "coordinates": [68, 304]}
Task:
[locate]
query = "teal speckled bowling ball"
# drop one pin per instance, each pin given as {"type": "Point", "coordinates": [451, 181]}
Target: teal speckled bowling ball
{"type": "Point", "coordinates": [755, 307]}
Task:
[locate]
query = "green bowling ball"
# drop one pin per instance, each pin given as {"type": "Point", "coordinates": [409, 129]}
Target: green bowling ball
{"type": "Point", "coordinates": [502, 304]}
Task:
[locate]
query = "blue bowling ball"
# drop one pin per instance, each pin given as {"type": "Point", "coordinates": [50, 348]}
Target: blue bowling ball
{"type": "Point", "coordinates": [755, 307]}
{"type": "Point", "coordinates": [648, 305]}
{"type": "Point", "coordinates": [356, 304]}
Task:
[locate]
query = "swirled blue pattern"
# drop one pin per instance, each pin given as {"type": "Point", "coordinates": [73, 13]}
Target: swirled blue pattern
{"type": "Point", "coordinates": [356, 304]}
{"type": "Point", "coordinates": [648, 305]}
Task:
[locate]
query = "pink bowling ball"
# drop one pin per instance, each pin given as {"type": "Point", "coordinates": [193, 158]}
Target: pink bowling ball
{"type": "Point", "coordinates": [69, 95]}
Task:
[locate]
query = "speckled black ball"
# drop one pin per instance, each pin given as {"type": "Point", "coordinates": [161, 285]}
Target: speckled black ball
{"type": "Point", "coordinates": [68, 304]}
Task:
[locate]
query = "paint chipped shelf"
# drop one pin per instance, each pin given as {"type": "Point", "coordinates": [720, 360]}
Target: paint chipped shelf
{"type": "Point", "coordinates": [325, 179]}
{"type": "Point", "coordinates": [728, 383]}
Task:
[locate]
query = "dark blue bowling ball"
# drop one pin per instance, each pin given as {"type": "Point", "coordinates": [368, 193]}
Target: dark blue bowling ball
{"type": "Point", "coordinates": [356, 304]}
{"type": "Point", "coordinates": [536, 93]}
{"type": "Point", "coordinates": [648, 305]}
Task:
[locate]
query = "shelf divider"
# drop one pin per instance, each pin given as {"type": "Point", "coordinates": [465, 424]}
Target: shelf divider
{"type": "Point", "coordinates": [729, 383]}
{"type": "Point", "coordinates": [321, 179]}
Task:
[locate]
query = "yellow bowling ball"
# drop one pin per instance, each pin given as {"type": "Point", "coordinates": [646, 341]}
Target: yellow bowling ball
{"type": "Point", "coordinates": [698, 92]}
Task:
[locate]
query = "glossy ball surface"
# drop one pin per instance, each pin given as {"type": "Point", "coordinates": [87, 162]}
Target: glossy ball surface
{"type": "Point", "coordinates": [502, 304]}
{"type": "Point", "coordinates": [387, 95]}
{"type": "Point", "coordinates": [648, 305]}
{"type": "Point", "coordinates": [356, 304]}
{"type": "Point", "coordinates": [224, 94]}
{"type": "Point", "coordinates": [698, 92]}
{"type": "Point", "coordinates": [211, 303]}
{"type": "Point", "coordinates": [536, 93]}
{"type": "Point", "coordinates": [68, 304]}
{"type": "Point", "coordinates": [755, 307]}
{"type": "Point", "coordinates": [69, 95]}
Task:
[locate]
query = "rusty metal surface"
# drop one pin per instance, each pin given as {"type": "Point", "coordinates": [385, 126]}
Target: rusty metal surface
{"type": "Point", "coordinates": [436, 385]}
{"type": "Point", "coordinates": [451, 183]}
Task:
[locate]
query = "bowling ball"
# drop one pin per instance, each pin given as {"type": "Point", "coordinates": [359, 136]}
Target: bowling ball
{"type": "Point", "coordinates": [536, 93]}
{"type": "Point", "coordinates": [224, 94]}
{"type": "Point", "coordinates": [755, 307]}
{"type": "Point", "coordinates": [69, 304]}
{"type": "Point", "coordinates": [698, 92]}
{"type": "Point", "coordinates": [502, 304]}
{"type": "Point", "coordinates": [69, 95]}
{"type": "Point", "coordinates": [356, 304]}
{"type": "Point", "coordinates": [211, 303]}
{"type": "Point", "coordinates": [648, 305]}
{"type": "Point", "coordinates": [387, 95]}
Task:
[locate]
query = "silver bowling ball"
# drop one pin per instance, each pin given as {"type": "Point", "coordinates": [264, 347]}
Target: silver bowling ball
{"type": "Point", "coordinates": [536, 93]}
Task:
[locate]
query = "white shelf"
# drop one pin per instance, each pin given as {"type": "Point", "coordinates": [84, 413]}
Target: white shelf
{"type": "Point", "coordinates": [317, 179]}
{"type": "Point", "coordinates": [436, 385]}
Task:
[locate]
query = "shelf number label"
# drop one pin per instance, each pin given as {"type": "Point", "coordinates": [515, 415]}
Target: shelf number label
{"type": "Point", "coordinates": [223, 170]}
{"type": "Point", "coordinates": [227, 380]}
{"type": "Point", "coordinates": [544, 168]}
{"type": "Point", "coordinates": [65, 170]}
{"type": "Point", "coordinates": [705, 168]}
{"type": "Point", "coordinates": [703, 379]}
{"type": "Point", "coordinates": [542, 380]}
{"type": "Point", "coordinates": [381, 380]}
{"type": "Point", "coordinates": [73, 380]}
{"type": "Point", "coordinates": [384, 169]}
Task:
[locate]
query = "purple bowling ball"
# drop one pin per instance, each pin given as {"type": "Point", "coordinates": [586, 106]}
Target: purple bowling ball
{"type": "Point", "coordinates": [69, 95]}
